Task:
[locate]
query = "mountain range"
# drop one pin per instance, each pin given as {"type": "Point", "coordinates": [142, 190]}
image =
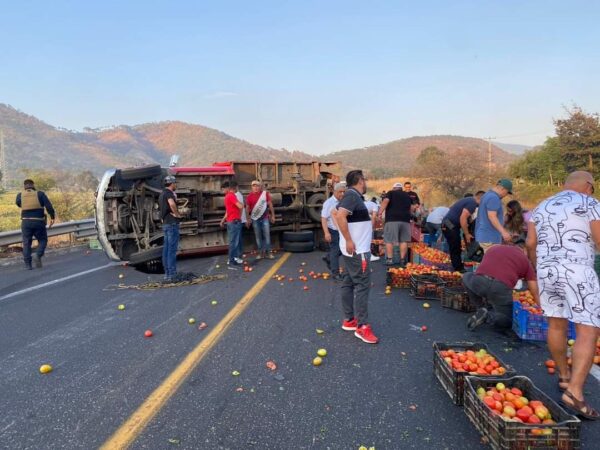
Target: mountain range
{"type": "Point", "coordinates": [32, 143]}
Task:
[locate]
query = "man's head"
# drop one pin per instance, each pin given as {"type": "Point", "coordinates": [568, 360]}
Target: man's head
{"type": "Point", "coordinates": [397, 187]}
{"type": "Point", "coordinates": [503, 187]}
{"type": "Point", "coordinates": [28, 184]}
{"type": "Point", "coordinates": [256, 186]}
{"type": "Point", "coordinates": [170, 182]}
{"type": "Point", "coordinates": [580, 181]}
{"type": "Point", "coordinates": [478, 196]}
{"type": "Point", "coordinates": [225, 186]}
{"type": "Point", "coordinates": [339, 189]}
{"type": "Point", "coordinates": [356, 179]}
{"type": "Point", "coordinates": [407, 186]}
{"type": "Point", "coordinates": [233, 185]}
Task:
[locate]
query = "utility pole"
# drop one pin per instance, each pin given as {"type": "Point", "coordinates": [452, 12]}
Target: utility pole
{"type": "Point", "coordinates": [3, 167]}
{"type": "Point", "coordinates": [489, 159]}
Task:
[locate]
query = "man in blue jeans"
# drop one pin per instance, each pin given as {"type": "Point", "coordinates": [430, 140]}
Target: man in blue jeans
{"type": "Point", "coordinates": [261, 214]}
{"type": "Point", "coordinates": [170, 220]}
{"type": "Point", "coordinates": [33, 222]}
{"type": "Point", "coordinates": [233, 217]}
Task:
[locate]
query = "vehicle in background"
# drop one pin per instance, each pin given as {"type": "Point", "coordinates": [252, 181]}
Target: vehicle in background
{"type": "Point", "coordinates": [128, 218]}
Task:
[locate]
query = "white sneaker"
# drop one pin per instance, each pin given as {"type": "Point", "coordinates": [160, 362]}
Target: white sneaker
{"type": "Point", "coordinates": [375, 258]}
{"type": "Point", "coordinates": [238, 260]}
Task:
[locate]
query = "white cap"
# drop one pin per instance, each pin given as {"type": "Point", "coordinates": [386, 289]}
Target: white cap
{"type": "Point", "coordinates": [397, 185]}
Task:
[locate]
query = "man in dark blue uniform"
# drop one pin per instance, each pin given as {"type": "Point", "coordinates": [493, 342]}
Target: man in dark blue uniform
{"type": "Point", "coordinates": [34, 205]}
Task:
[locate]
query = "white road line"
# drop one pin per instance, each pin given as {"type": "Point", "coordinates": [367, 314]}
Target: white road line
{"type": "Point", "coordinates": [58, 280]}
{"type": "Point", "coordinates": [595, 372]}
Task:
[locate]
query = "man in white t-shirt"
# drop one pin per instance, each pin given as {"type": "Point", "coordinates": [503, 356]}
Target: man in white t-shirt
{"type": "Point", "coordinates": [433, 224]}
{"type": "Point", "coordinates": [373, 209]}
{"type": "Point", "coordinates": [330, 229]}
{"type": "Point", "coordinates": [356, 231]}
{"type": "Point", "coordinates": [563, 234]}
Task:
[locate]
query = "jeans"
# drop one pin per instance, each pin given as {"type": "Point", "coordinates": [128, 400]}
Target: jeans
{"type": "Point", "coordinates": [334, 252]}
{"type": "Point", "coordinates": [486, 291]}
{"type": "Point", "coordinates": [262, 233]}
{"type": "Point", "coordinates": [454, 244]}
{"type": "Point", "coordinates": [31, 229]}
{"type": "Point", "coordinates": [355, 288]}
{"type": "Point", "coordinates": [241, 242]}
{"type": "Point", "coordinates": [171, 242]}
{"type": "Point", "coordinates": [432, 229]}
{"type": "Point", "coordinates": [234, 231]}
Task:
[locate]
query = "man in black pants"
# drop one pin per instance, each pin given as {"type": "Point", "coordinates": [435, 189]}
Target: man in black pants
{"type": "Point", "coordinates": [33, 222]}
{"type": "Point", "coordinates": [455, 221]}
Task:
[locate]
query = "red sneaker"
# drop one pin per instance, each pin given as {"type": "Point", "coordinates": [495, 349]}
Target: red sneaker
{"type": "Point", "coordinates": [366, 334]}
{"type": "Point", "coordinates": [350, 325]}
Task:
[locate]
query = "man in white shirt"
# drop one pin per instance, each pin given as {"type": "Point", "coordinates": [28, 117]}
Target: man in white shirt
{"type": "Point", "coordinates": [373, 209]}
{"type": "Point", "coordinates": [330, 229]}
{"type": "Point", "coordinates": [433, 224]}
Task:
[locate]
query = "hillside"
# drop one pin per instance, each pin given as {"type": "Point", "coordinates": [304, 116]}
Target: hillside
{"type": "Point", "coordinates": [398, 156]}
{"type": "Point", "coordinates": [31, 143]}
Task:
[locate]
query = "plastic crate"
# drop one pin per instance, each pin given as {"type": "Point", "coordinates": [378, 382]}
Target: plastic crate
{"type": "Point", "coordinates": [396, 281]}
{"type": "Point", "coordinates": [426, 287]}
{"type": "Point", "coordinates": [452, 381]}
{"type": "Point", "coordinates": [533, 327]}
{"type": "Point", "coordinates": [456, 298]}
{"type": "Point", "coordinates": [94, 244]}
{"type": "Point", "coordinates": [564, 435]}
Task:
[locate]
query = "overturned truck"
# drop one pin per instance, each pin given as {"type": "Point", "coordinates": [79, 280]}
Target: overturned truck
{"type": "Point", "coordinates": [128, 218]}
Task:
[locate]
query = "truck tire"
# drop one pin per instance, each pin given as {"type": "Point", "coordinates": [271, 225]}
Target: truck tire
{"type": "Point", "coordinates": [314, 212]}
{"type": "Point", "coordinates": [137, 173]}
{"type": "Point", "coordinates": [146, 255]}
{"type": "Point", "coordinates": [298, 247]}
{"type": "Point", "coordinates": [298, 236]}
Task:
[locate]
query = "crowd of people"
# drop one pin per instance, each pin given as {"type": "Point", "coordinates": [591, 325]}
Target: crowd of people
{"type": "Point", "coordinates": [552, 248]}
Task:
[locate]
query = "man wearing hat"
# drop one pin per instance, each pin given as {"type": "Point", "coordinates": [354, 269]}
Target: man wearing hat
{"type": "Point", "coordinates": [489, 228]}
{"type": "Point", "coordinates": [261, 214]}
{"type": "Point", "coordinates": [170, 224]}
{"type": "Point", "coordinates": [397, 206]}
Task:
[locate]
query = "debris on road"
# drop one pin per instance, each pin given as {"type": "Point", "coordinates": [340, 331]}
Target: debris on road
{"type": "Point", "coordinates": [235, 373]}
{"type": "Point", "coordinates": [191, 321]}
{"type": "Point", "coordinates": [45, 368]}
{"type": "Point", "coordinates": [121, 307]}
{"type": "Point", "coordinates": [153, 285]}
{"type": "Point", "coordinates": [202, 326]}
{"type": "Point", "coordinates": [322, 352]}
{"type": "Point", "coordinates": [317, 361]}
{"type": "Point", "coordinates": [319, 331]}
{"type": "Point", "coordinates": [148, 333]}
{"type": "Point", "coordinates": [271, 365]}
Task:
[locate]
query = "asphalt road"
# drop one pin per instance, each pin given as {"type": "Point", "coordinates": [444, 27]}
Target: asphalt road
{"type": "Point", "coordinates": [384, 396]}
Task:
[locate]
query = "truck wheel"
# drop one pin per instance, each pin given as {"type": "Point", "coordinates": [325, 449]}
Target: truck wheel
{"type": "Point", "coordinates": [314, 212]}
{"type": "Point", "coordinates": [298, 247]}
{"type": "Point", "coordinates": [146, 255]}
{"type": "Point", "coordinates": [137, 173]}
{"type": "Point", "coordinates": [298, 236]}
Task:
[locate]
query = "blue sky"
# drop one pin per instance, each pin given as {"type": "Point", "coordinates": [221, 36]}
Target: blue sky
{"type": "Point", "coordinates": [316, 76]}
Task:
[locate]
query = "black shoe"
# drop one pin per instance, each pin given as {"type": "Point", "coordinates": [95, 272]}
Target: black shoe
{"type": "Point", "coordinates": [337, 277]}
{"type": "Point", "coordinates": [477, 319]}
{"type": "Point", "coordinates": [27, 266]}
{"type": "Point", "coordinates": [389, 262]}
{"type": "Point", "coordinates": [37, 261]}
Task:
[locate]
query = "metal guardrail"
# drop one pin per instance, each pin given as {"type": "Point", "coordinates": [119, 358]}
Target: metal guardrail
{"type": "Point", "coordinates": [80, 228]}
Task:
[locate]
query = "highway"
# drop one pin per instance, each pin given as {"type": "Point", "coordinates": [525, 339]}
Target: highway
{"type": "Point", "coordinates": [384, 396]}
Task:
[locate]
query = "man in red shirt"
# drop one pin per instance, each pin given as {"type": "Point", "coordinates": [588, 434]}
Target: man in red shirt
{"type": "Point", "coordinates": [233, 217]}
{"type": "Point", "coordinates": [260, 213]}
{"type": "Point", "coordinates": [490, 287]}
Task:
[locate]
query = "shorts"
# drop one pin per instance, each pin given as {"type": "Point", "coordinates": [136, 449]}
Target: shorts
{"type": "Point", "coordinates": [569, 291]}
{"type": "Point", "coordinates": [394, 232]}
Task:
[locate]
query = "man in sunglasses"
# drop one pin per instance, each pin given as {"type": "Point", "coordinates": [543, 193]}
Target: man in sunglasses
{"type": "Point", "coordinates": [562, 239]}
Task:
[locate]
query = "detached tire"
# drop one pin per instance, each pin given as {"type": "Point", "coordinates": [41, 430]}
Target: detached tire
{"type": "Point", "coordinates": [146, 255]}
{"type": "Point", "coordinates": [137, 173]}
{"type": "Point", "coordinates": [314, 212]}
{"type": "Point", "coordinates": [298, 247]}
{"type": "Point", "coordinates": [298, 236]}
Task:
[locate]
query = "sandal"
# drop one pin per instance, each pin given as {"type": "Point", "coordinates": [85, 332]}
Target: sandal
{"type": "Point", "coordinates": [562, 380]}
{"type": "Point", "coordinates": [579, 407]}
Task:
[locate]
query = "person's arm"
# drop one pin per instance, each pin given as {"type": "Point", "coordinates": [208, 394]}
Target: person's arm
{"type": "Point", "coordinates": [342, 223]}
{"type": "Point", "coordinates": [493, 217]}
{"type": "Point", "coordinates": [271, 210]}
{"type": "Point", "coordinates": [18, 200]}
{"type": "Point", "coordinates": [45, 202]}
{"type": "Point", "coordinates": [531, 243]}
{"type": "Point", "coordinates": [595, 229]}
{"type": "Point", "coordinates": [464, 224]}
{"type": "Point", "coordinates": [326, 233]}
{"type": "Point", "coordinates": [384, 204]}
{"type": "Point", "coordinates": [532, 285]}
{"type": "Point", "coordinates": [173, 207]}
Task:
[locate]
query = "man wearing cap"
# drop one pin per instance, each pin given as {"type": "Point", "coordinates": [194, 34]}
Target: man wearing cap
{"type": "Point", "coordinates": [397, 206]}
{"type": "Point", "coordinates": [330, 229]}
{"type": "Point", "coordinates": [489, 228]}
{"type": "Point", "coordinates": [260, 213]}
{"type": "Point", "coordinates": [170, 225]}
{"type": "Point", "coordinates": [33, 222]}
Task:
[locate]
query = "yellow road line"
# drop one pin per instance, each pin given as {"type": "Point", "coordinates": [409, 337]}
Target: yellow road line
{"type": "Point", "coordinates": [129, 431]}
